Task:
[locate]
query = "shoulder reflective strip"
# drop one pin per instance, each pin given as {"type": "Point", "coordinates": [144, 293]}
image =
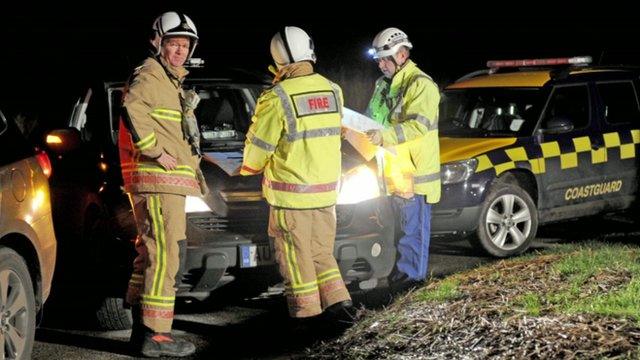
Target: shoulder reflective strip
{"type": "Point", "coordinates": [308, 134]}
{"type": "Point", "coordinates": [248, 169]}
{"type": "Point", "coordinates": [399, 133]}
{"type": "Point", "coordinates": [147, 142]}
{"type": "Point", "coordinates": [423, 120]}
{"type": "Point", "coordinates": [336, 91]}
{"type": "Point", "coordinates": [167, 111]}
{"type": "Point", "coordinates": [413, 80]}
{"type": "Point", "coordinates": [299, 188]}
{"type": "Point", "coordinates": [288, 111]}
{"type": "Point", "coordinates": [314, 103]}
{"type": "Point", "coordinates": [261, 143]}
{"type": "Point", "coordinates": [426, 178]}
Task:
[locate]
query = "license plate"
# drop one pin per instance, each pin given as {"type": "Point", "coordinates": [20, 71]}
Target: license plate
{"type": "Point", "coordinates": [256, 255]}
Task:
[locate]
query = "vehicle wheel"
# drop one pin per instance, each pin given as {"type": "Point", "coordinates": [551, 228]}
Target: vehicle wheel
{"type": "Point", "coordinates": [508, 221]}
{"type": "Point", "coordinates": [111, 315]}
{"type": "Point", "coordinates": [17, 307]}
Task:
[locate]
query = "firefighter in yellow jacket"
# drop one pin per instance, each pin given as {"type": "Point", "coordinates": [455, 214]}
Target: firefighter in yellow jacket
{"type": "Point", "coordinates": [405, 101]}
{"type": "Point", "coordinates": [294, 139]}
{"type": "Point", "coordinates": [159, 168]}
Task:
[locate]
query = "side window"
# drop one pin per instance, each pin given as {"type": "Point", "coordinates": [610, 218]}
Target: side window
{"type": "Point", "coordinates": [619, 102]}
{"type": "Point", "coordinates": [568, 103]}
{"type": "Point", "coordinates": [115, 105]}
{"type": "Point", "coordinates": [13, 146]}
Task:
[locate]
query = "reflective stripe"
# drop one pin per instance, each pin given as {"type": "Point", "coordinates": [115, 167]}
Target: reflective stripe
{"type": "Point", "coordinates": [166, 114]}
{"type": "Point", "coordinates": [297, 292]}
{"type": "Point", "coordinates": [289, 249]}
{"type": "Point", "coordinates": [336, 91]}
{"type": "Point", "coordinates": [261, 143]}
{"type": "Point", "coordinates": [157, 303]}
{"type": "Point", "coordinates": [426, 178]}
{"type": "Point", "coordinates": [328, 272]}
{"type": "Point", "coordinates": [161, 299]}
{"type": "Point", "coordinates": [423, 120]}
{"type": "Point", "coordinates": [399, 133]}
{"type": "Point", "coordinates": [309, 285]}
{"type": "Point", "coordinates": [151, 167]}
{"type": "Point", "coordinates": [292, 129]}
{"type": "Point", "coordinates": [308, 134]}
{"type": "Point", "coordinates": [299, 188]}
{"type": "Point", "coordinates": [147, 142]}
{"type": "Point", "coordinates": [161, 256]}
{"type": "Point", "coordinates": [330, 277]}
{"type": "Point", "coordinates": [288, 111]}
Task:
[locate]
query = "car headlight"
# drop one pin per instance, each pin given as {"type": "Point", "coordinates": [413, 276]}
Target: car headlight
{"type": "Point", "coordinates": [458, 171]}
{"type": "Point", "coordinates": [195, 204]}
{"type": "Point", "coordinates": [357, 185]}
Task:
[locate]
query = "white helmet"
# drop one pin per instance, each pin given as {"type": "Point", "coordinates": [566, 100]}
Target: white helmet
{"type": "Point", "coordinates": [388, 42]}
{"type": "Point", "coordinates": [173, 24]}
{"type": "Point", "coordinates": [291, 45]}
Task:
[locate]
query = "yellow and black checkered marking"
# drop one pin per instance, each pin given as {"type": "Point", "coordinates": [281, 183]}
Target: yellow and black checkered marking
{"type": "Point", "coordinates": [518, 157]}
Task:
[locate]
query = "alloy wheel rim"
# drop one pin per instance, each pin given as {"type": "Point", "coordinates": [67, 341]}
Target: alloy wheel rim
{"type": "Point", "coordinates": [13, 315]}
{"type": "Point", "coordinates": [508, 222]}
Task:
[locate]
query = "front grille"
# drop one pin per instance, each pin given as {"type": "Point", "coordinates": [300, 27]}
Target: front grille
{"type": "Point", "coordinates": [210, 222]}
{"type": "Point", "coordinates": [361, 265]}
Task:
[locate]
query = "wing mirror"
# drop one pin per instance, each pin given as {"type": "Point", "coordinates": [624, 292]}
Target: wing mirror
{"type": "Point", "coordinates": [557, 125]}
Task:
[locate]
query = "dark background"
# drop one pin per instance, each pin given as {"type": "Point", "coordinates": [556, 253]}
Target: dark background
{"type": "Point", "coordinates": [51, 54]}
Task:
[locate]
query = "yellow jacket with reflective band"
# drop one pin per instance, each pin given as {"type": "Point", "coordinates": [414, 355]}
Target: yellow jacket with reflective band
{"type": "Point", "coordinates": [408, 107]}
{"type": "Point", "coordinates": [294, 139]}
{"type": "Point", "coordinates": [151, 124]}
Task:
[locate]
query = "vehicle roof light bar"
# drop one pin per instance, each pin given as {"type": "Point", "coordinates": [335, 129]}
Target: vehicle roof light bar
{"type": "Point", "coordinates": [576, 60]}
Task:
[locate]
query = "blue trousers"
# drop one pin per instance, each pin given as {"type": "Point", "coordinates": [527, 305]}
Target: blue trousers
{"type": "Point", "coordinates": [413, 247]}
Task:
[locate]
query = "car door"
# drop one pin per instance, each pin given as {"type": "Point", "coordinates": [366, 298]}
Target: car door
{"type": "Point", "coordinates": [618, 112]}
{"type": "Point", "coordinates": [572, 150]}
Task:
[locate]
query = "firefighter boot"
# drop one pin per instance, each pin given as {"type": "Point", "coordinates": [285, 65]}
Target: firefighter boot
{"type": "Point", "coordinates": [163, 344]}
{"type": "Point", "coordinates": [138, 330]}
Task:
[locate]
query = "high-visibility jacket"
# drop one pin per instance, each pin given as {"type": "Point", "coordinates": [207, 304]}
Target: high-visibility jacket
{"type": "Point", "coordinates": [407, 105]}
{"type": "Point", "coordinates": [150, 125]}
{"type": "Point", "coordinates": [294, 139]}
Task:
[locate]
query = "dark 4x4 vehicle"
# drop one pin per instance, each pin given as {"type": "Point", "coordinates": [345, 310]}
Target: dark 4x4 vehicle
{"type": "Point", "coordinates": [226, 230]}
{"type": "Point", "coordinates": [521, 147]}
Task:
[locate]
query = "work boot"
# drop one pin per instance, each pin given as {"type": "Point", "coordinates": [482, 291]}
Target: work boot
{"type": "Point", "coordinates": [138, 330]}
{"type": "Point", "coordinates": [163, 344]}
{"type": "Point", "coordinates": [342, 313]}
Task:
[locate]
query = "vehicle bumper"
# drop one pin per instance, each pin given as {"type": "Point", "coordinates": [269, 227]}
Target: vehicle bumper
{"type": "Point", "coordinates": [364, 249]}
{"type": "Point", "coordinates": [456, 221]}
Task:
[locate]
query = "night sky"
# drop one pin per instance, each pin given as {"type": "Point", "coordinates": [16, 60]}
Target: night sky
{"type": "Point", "coordinates": [53, 53]}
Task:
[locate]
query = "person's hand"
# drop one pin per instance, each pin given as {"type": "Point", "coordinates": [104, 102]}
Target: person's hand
{"type": "Point", "coordinates": [167, 161]}
{"type": "Point", "coordinates": [375, 136]}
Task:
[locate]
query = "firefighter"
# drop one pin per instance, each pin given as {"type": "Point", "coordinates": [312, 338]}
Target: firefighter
{"type": "Point", "coordinates": [405, 101]}
{"type": "Point", "coordinates": [294, 140]}
{"type": "Point", "coordinates": [159, 168]}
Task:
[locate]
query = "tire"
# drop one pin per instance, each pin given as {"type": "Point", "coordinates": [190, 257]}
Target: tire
{"type": "Point", "coordinates": [508, 221]}
{"type": "Point", "coordinates": [111, 315]}
{"type": "Point", "coordinates": [18, 309]}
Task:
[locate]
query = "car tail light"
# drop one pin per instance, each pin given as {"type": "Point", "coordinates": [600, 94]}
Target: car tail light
{"type": "Point", "coordinates": [45, 163]}
{"type": "Point", "coordinates": [577, 60]}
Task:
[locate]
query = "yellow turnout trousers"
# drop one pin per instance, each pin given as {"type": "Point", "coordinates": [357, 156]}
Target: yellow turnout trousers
{"type": "Point", "coordinates": [161, 223]}
{"type": "Point", "coordinates": [304, 250]}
